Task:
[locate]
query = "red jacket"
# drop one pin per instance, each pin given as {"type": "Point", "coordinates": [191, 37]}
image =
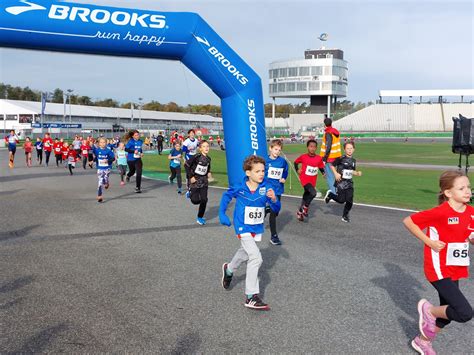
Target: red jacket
{"type": "Point", "coordinates": [57, 148]}
{"type": "Point", "coordinates": [64, 152]}
{"type": "Point", "coordinates": [48, 144]}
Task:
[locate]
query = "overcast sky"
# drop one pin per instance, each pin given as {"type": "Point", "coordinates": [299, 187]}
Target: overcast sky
{"type": "Point", "coordinates": [388, 44]}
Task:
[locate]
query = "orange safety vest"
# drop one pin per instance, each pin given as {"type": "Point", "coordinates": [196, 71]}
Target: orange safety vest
{"type": "Point", "coordinates": [335, 147]}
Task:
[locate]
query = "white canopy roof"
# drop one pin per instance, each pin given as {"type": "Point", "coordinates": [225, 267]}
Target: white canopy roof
{"type": "Point", "coordinates": [11, 107]}
{"type": "Point", "coordinates": [426, 93]}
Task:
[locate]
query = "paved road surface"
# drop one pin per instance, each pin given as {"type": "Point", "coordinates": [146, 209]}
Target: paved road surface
{"type": "Point", "coordinates": [137, 274]}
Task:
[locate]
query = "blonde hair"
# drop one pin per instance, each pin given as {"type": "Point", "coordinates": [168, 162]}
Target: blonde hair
{"type": "Point", "coordinates": [446, 182]}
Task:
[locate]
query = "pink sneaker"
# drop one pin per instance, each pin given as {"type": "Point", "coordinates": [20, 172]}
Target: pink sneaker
{"type": "Point", "coordinates": [424, 347]}
{"type": "Point", "coordinates": [427, 323]}
{"type": "Point", "coordinates": [122, 183]}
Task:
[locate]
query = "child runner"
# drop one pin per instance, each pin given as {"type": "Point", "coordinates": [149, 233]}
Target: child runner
{"type": "Point", "coordinates": [48, 147]}
{"type": "Point", "coordinates": [134, 148]}
{"type": "Point", "coordinates": [249, 214]}
{"type": "Point", "coordinates": [198, 173]}
{"type": "Point", "coordinates": [65, 153]}
{"type": "Point", "coordinates": [28, 146]}
{"type": "Point", "coordinates": [446, 252]}
{"type": "Point", "coordinates": [121, 161]}
{"type": "Point", "coordinates": [276, 172]}
{"type": "Point", "coordinates": [90, 155]}
{"type": "Point", "coordinates": [175, 157]}
{"type": "Point", "coordinates": [190, 147]}
{"type": "Point", "coordinates": [104, 158]}
{"type": "Point", "coordinates": [57, 151]}
{"type": "Point", "coordinates": [308, 176]}
{"type": "Point", "coordinates": [84, 153]}
{"type": "Point", "coordinates": [39, 151]}
{"type": "Point", "coordinates": [344, 168]}
{"type": "Point", "coordinates": [77, 142]}
{"type": "Point", "coordinates": [12, 140]}
{"type": "Point", "coordinates": [71, 158]}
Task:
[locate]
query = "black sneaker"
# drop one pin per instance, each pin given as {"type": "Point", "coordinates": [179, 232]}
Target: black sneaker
{"type": "Point", "coordinates": [127, 179]}
{"type": "Point", "coordinates": [327, 198]}
{"type": "Point", "coordinates": [256, 303]}
{"type": "Point", "coordinates": [226, 279]}
{"type": "Point", "coordinates": [137, 190]}
{"type": "Point", "coordinates": [275, 240]}
{"type": "Point", "coordinates": [346, 219]}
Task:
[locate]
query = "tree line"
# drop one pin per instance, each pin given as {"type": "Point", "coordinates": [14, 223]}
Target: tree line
{"type": "Point", "coordinates": [57, 96]}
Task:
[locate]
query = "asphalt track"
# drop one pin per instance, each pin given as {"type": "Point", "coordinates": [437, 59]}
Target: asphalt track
{"type": "Point", "coordinates": [136, 274]}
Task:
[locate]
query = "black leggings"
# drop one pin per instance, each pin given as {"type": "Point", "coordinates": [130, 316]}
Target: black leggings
{"type": "Point", "coordinates": [344, 196]}
{"type": "Point", "coordinates": [176, 173]}
{"type": "Point", "coordinates": [84, 161]}
{"type": "Point", "coordinates": [160, 147]}
{"type": "Point", "coordinates": [47, 155]}
{"type": "Point", "coordinates": [199, 197]}
{"type": "Point", "coordinates": [272, 220]}
{"type": "Point", "coordinates": [70, 168]}
{"type": "Point", "coordinates": [39, 155]}
{"type": "Point", "coordinates": [308, 195]}
{"type": "Point", "coordinates": [59, 159]}
{"type": "Point", "coordinates": [135, 166]}
{"type": "Point", "coordinates": [459, 309]}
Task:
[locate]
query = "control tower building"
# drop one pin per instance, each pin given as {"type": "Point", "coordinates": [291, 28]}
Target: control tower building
{"type": "Point", "coordinates": [321, 76]}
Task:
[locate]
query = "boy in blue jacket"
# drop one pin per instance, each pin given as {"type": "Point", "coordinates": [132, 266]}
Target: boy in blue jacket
{"type": "Point", "coordinates": [276, 173]}
{"type": "Point", "coordinates": [249, 214]}
{"type": "Point", "coordinates": [104, 158]}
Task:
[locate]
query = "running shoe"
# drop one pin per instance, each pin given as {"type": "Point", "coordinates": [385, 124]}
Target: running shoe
{"type": "Point", "coordinates": [326, 197]}
{"type": "Point", "coordinates": [201, 221]}
{"type": "Point", "coordinates": [424, 347]}
{"type": "Point", "coordinates": [256, 303]}
{"type": "Point", "coordinates": [127, 179]}
{"type": "Point", "coordinates": [300, 216]}
{"type": "Point", "coordinates": [319, 194]}
{"type": "Point", "coordinates": [275, 240]}
{"type": "Point", "coordinates": [180, 191]}
{"type": "Point", "coordinates": [345, 219]}
{"type": "Point", "coordinates": [122, 183]}
{"type": "Point", "coordinates": [188, 194]}
{"type": "Point", "coordinates": [169, 179]}
{"type": "Point", "coordinates": [99, 199]}
{"type": "Point", "coordinates": [427, 322]}
{"type": "Point", "coordinates": [305, 211]}
{"type": "Point", "coordinates": [226, 279]}
{"type": "Point", "coordinates": [137, 190]}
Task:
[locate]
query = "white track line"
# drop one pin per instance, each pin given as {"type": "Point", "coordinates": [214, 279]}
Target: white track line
{"type": "Point", "coordinates": [319, 199]}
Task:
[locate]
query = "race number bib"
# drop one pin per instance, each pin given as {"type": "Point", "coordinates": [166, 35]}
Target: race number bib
{"type": "Point", "coordinates": [39, 147]}
{"type": "Point", "coordinates": [347, 174]}
{"type": "Point", "coordinates": [57, 149]}
{"type": "Point", "coordinates": [275, 173]}
{"type": "Point", "coordinates": [311, 171]}
{"type": "Point", "coordinates": [201, 170]}
{"type": "Point", "coordinates": [458, 254]}
{"type": "Point", "coordinates": [137, 155]}
{"type": "Point", "coordinates": [103, 163]}
{"type": "Point", "coordinates": [84, 152]}
{"type": "Point", "coordinates": [254, 215]}
{"type": "Point", "coordinates": [177, 161]}
{"type": "Point", "coordinates": [71, 159]}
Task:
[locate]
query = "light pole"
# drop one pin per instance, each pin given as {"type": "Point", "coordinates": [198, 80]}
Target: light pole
{"type": "Point", "coordinates": [69, 92]}
{"type": "Point", "coordinates": [140, 104]}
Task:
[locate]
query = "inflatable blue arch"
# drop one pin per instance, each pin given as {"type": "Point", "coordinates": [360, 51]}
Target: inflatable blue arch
{"type": "Point", "coordinates": [72, 27]}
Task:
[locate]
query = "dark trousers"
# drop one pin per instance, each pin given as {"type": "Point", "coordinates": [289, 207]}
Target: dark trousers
{"type": "Point", "coordinates": [344, 196]}
{"type": "Point", "coordinates": [308, 195]}
{"type": "Point", "coordinates": [47, 155]}
{"type": "Point", "coordinates": [59, 159]}
{"type": "Point", "coordinates": [459, 309]}
{"type": "Point", "coordinates": [160, 147]}
{"type": "Point", "coordinates": [199, 197]}
{"type": "Point", "coordinates": [123, 171]}
{"type": "Point", "coordinates": [176, 173]}
{"type": "Point", "coordinates": [135, 166]}
{"type": "Point", "coordinates": [70, 168]}
{"type": "Point", "coordinates": [272, 219]}
{"type": "Point", "coordinates": [84, 161]}
{"type": "Point", "coordinates": [39, 155]}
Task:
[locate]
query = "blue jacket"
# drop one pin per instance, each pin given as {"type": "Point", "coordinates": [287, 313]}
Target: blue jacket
{"type": "Point", "coordinates": [276, 169]}
{"type": "Point", "coordinates": [249, 212]}
{"type": "Point", "coordinates": [104, 158]}
{"type": "Point", "coordinates": [130, 148]}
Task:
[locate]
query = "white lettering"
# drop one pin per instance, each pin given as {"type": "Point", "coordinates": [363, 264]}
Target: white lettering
{"type": "Point", "coordinates": [98, 13]}
{"type": "Point", "coordinates": [58, 12]}
{"type": "Point", "coordinates": [82, 12]}
{"type": "Point", "coordinates": [140, 19]}
{"type": "Point", "coordinates": [158, 21]}
{"type": "Point", "coordinates": [120, 22]}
